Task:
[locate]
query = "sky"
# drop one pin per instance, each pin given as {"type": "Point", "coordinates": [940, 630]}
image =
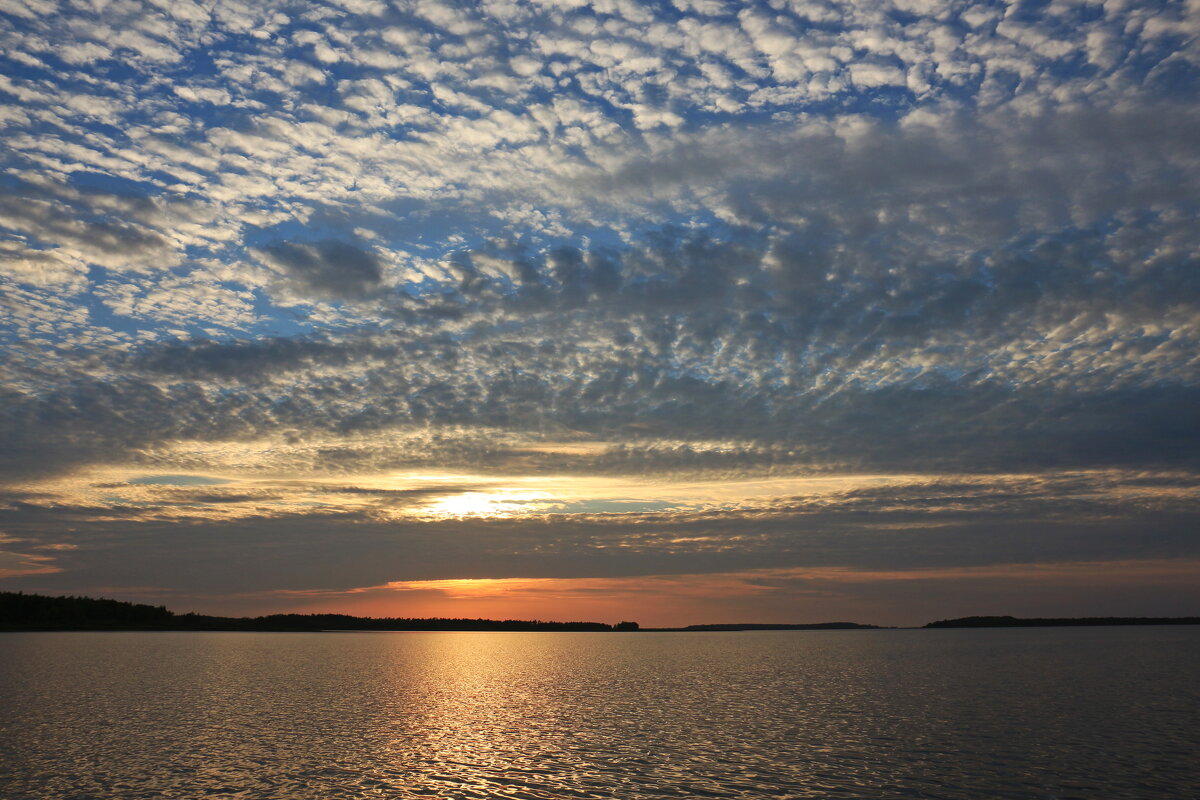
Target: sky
{"type": "Point", "coordinates": [680, 312]}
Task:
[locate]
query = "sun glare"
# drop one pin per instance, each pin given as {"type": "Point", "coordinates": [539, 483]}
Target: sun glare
{"type": "Point", "coordinates": [487, 504]}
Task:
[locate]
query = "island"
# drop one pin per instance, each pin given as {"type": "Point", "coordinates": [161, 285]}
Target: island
{"type": "Point", "coordinates": [1052, 622]}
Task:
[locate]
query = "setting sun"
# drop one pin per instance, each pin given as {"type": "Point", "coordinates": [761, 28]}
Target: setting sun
{"type": "Point", "coordinates": [486, 504]}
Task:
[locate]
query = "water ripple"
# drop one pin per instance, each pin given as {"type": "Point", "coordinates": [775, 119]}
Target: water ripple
{"type": "Point", "coordinates": [1027, 714]}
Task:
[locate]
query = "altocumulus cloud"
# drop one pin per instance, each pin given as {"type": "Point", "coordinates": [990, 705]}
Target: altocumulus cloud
{"type": "Point", "coordinates": [327, 268]}
{"type": "Point", "coordinates": [668, 240]}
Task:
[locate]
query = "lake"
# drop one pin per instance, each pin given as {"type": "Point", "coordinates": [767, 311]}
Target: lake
{"type": "Point", "coordinates": [1089, 713]}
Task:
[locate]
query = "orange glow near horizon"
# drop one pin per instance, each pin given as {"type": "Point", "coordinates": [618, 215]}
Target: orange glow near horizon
{"type": "Point", "coordinates": [790, 595]}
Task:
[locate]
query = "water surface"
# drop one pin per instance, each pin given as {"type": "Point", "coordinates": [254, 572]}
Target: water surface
{"type": "Point", "coordinates": [1090, 713]}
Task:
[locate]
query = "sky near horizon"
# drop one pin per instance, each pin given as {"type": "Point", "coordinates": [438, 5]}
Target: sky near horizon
{"type": "Point", "coordinates": [680, 312]}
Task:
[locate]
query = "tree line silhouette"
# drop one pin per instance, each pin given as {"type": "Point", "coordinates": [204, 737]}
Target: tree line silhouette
{"type": "Point", "coordinates": [20, 611]}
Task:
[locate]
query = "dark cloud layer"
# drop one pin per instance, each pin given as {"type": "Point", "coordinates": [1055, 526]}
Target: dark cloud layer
{"type": "Point", "coordinates": [329, 268]}
{"type": "Point", "coordinates": [1054, 350]}
{"type": "Point", "coordinates": [249, 361]}
{"type": "Point", "coordinates": [935, 525]}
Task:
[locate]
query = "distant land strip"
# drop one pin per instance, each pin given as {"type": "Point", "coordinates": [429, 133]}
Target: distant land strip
{"type": "Point", "coordinates": [768, 626]}
{"type": "Point", "coordinates": [34, 612]}
{"type": "Point", "coordinates": [1053, 622]}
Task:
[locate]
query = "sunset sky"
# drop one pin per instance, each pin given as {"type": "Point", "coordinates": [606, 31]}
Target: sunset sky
{"type": "Point", "coordinates": [679, 312]}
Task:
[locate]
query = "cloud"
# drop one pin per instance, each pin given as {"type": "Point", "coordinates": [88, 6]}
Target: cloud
{"type": "Point", "coordinates": [688, 239]}
{"type": "Point", "coordinates": [249, 361]}
{"type": "Point", "coordinates": [17, 565]}
{"type": "Point", "coordinates": [902, 529]}
{"type": "Point", "coordinates": [328, 269]}
{"type": "Point", "coordinates": [61, 220]}
{"type": "Point", "coordinates": [41, 267]}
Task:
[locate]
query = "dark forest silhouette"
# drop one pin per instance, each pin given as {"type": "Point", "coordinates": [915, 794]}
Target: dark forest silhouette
{"type": "Point", "coordinates": [19, 611]}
